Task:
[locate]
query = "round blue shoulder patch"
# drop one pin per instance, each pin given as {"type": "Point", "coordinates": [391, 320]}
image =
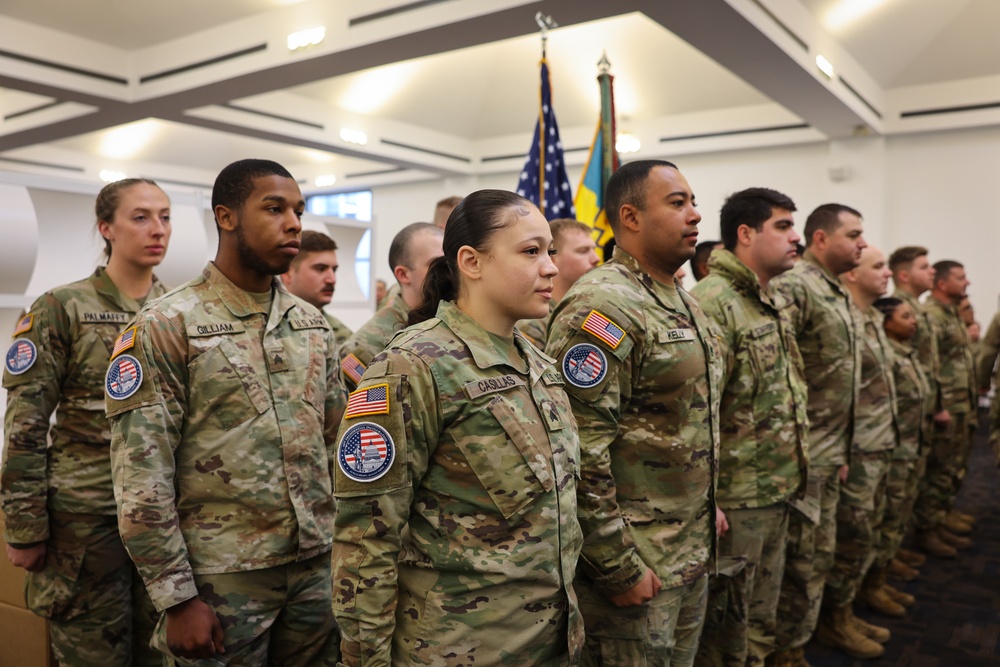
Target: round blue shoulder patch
{"type": "Point", "coordinates": [21, 356]}
{"type": "Point", "coordinates": [124, 377]}
{"type": "Point", "coordinates": [584, 365]}
{"type": "Point", "coordinates": [366, 452]}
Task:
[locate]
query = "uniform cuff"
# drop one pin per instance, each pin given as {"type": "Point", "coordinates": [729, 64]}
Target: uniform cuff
{"type": "Point", "coordinates": [27, 532]}
{"type": "Point", "coordinates": [620, 580]}
{"type": "Point", "coordinates": [171, 591]}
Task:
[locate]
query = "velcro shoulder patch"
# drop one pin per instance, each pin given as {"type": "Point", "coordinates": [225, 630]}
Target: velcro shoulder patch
{"type": "Point", "coordinates": [352, 368]}
{"type": "Point", "coordinates": [124, 341]}
{"type": "Point", "coordinates": [24, 325]}
{"type": "Point", "coordinates": [602, 327]}
{"type": "Point", "coordinates": [368, 401]}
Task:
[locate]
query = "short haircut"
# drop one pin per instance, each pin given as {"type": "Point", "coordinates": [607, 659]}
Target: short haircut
{"type": "Point", "coordinates": [750, 207]}
{"type": "Point", "coordinates": [902, 258]}
{"type": "Point", "coordinates": [313, 242]}
{"type": "Point", "coordinates": [887, 305]}
{"type": "Point", "coordinates": [400, 251]}
{"type": "Point", "coordinates": [560, 226]}
{"type": "Point", "coordinates": [825, 217]}
{"type": "Point", "coordinates": [943, 268]}
{"type": "Point", "coordinates": [447, 204]}
{"type": "Point", "coordinates": [702, 252]}
{"type": "Point", "coordinates": [628, 186]}
{"type": "Point", "coordinates": [234, 184]}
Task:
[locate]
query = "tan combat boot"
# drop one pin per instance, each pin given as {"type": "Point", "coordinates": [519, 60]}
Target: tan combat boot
{"type": "Point", "coordinates": [900, 570]}
{"type": "Point", "coordinates": [964, 516]}
{"type": "Point", "coordinates": [953, 540]}
{"type": "Point", "coordinates": [911, 558]}
{"type": "Point", "coordinates": [790, 657]}
{"type": "Point", "coordinates": [837, 630]}
{"type": "Point", "coordinates": [902, 597]}
{"type": "Point", "coordinates": [930, 542]}
{"type": "Point", "coordinates": [955, 524]}
{"type": "Point", "coordinates": [874, 595]}
{"type": "Point", "coordinates": [872, 631]}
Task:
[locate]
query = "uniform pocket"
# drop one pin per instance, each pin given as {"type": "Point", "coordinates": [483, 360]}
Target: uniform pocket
{"type": "Point", "coordinates": [230, 392]}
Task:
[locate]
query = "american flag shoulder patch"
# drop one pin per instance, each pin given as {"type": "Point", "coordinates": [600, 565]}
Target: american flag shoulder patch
{"type": "Point", "coordinates": [24, 324]}
{"type": "Point", "coordinates": [124, 342]}
{"type": "Point", "coordinates": [368, 401]}
{"type": "Point", "coordinates": [353, 368]}
{"type": "Point", "coordinates": [603, 328]}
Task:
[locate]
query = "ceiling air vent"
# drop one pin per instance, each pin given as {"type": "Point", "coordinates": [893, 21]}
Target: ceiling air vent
{"type": "Point", "coordinates": [731, 133]}
{"type": "Point", "coordinates": [860, 97]}
{"type": "Point", "coordinates": [778, 22]}
{"type": "Point", "coordinates": [63, 68]}
{"type": "Point", "coordinates": [944, 110]}
{"type": "Point", "coordinates": [394, 11]}
{"type": "Point", "coordinates": [25, 112]}
{"type": "Point", "coordinates": [204, 63]}
{"type": "Point", "coordinates": [47, 165]}
{"type": "Point", "coordinates": [426, 151]}
{"type": "Point", "coordinates": [377, 172]}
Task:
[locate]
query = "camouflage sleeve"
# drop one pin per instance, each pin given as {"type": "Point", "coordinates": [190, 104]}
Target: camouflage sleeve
{"type": "Point", "coordinates": [32, 395]}
{"type": "Point", "coordinates": [146, 428]}
{"type": "Point", "coordinates": [986, 356]}
{"type": "Point", "coordinates": [373, 505]}
{"type": "Point", "coordinates": [598, 399]}
{"type": "Point", "coordinates": [718, 311]}
{"type": "Point", "coordinates": [336, 399]}
{"type": "Point", "coordinates": [796, 301]}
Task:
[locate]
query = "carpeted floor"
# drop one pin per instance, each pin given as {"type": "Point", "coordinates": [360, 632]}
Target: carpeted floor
{"type": "Point", "coordinates": [956, 621]}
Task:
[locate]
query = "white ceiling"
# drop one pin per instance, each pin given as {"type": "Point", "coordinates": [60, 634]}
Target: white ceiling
{"type": "Point", "coordinates": [450, 87]}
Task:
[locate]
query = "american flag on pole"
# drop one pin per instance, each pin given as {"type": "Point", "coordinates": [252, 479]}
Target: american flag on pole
{"type": "Point", "coordinates": [599, 325]}
{"type": "Point", "coordinates": [124, 342]}
{"type": "Point", "coordinates": [369, 401]}
{"type": "Point", "coordinates": [543, 179]}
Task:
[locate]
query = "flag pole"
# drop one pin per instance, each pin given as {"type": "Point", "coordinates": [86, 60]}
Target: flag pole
{"type": "Point", "coordinates": [545, 23]}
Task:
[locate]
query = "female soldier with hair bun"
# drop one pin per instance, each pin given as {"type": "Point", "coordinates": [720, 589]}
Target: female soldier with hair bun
{"type": "Point", "coordinates": [456, 535]}
{"type": "Point", "coordinates": [61, 523]}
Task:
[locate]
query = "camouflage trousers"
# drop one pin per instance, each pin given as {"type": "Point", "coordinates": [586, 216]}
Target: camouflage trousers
{"type": "Point", "coordinates": [901, 487]}
{"type": "Point", "coordinates": [743, 597]}
{"type": "Point", "coordinates": [277, 616]}
{"type": "Point", "coordinates": [808, 559]}
{"type": "Point", "coordinates": [98, 609]}
{"type": "Point", "coordinates": [859, 518]}
{"type": "Point", "coordinates": [663, 632]}
{"type": "Point", "coordinates": [949, 446]}
{"type": "Point", "coordinates": [994, 421]}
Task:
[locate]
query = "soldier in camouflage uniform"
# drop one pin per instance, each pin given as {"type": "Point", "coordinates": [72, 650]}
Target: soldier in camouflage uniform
{"type": "Point", "coordinates": [410, 254]}
{"type": "Point", "coordinates": [862, 495]}
{"type": "Point", "coordinates": [643, 368]}
{"type": "Point", "coordinates": [58, 497]}
{"type": "Point", "coordinates": [913, 413]}
{"type": "Point", "coordinates": [986, 361]}
{"type": "Point", "coordinates": [956, 395]}
{"type": "Point", "coordinates": [819, 310]}
{"type": "Point", "coordinates": [763, 421]}
{"type": "Point", "coordinates": [224, 404]}
{"type": "Point", "coordinates": [576, 253]}
{"type": "Point", "coordinates": [456, 534]}
{"type": "Point", "coordinates": [313, 277]}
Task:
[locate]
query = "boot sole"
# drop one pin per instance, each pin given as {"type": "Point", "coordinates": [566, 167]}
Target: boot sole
{"type": "Point", "coordinates": [854, 654]}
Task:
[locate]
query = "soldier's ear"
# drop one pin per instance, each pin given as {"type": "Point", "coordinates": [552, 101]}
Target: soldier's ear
{"type": "Point", "coordinates": [470, 262]}
{"type": "Point", "coordinates": [628, 218]}
{"type": "Point", "coordinates": [226, 218]}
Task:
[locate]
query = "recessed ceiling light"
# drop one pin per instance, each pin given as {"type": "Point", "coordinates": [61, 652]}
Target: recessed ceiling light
{"type": "Point", "coordinates": [626, 142]}
{"type": "Point", "coordinates": [110, 175]}
{"type": "Point", "coordinates": [353, 136]}
{"type": "Point", "coordinates": [824, 66]}
{"type": "Point", "coordinates": [325, 181]}
{"type": "Point", "coordinates": [304, 38]}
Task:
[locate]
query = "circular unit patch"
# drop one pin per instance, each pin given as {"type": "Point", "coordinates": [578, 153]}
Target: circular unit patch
{"type": "Point", "coordinates": [584, 365]}
{"type": "Point", "coordinates": [366, 452]}
{"type": "Point", "coordinates": [124, 377]}
{"type": "Point", "coordinates": [21, 356]}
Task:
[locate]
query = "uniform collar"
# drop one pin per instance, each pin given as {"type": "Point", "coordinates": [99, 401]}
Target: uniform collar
{"type": "Point", "coordinates": [107, 288]}
{"type": "Point", "coordinates": [662, 292]}
{"type": "Point", "coordinates": [484, 352]}
{"type": "Point", "coordinates": [810, 261]}
{"type": "Point", "coordinates": [239, 302]}
{"type": "Point", "coordinates": [726, 264]}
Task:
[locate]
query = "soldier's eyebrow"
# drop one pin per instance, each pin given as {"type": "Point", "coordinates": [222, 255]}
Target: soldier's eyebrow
{"type": "Point", "coordinates": [281, 200]}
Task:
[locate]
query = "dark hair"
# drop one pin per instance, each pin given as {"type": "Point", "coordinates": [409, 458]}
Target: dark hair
{"type": "Point", "coordinates": [903, 258]}
{"type": "Point", "coordinates": [313, 242]}
{"type": "Point", "coordinates": [800, 249]}
{"type": "Point", "coordinates": [628, 186]}
{"type": "Point", "coordinates": [750, 207]}
{"type": "Point", "coordinates": [108, 200]}
{"type": "Point", "coordinates": [943, 268]}
{"type": "Point", "coordinates": [887, 305]}
{"type": "Point", "coordinates": [234, 184]}
{"type": "Point", "coordinates": [825, 217]}
{"type": "Point", "coordinates": [400, 253]}
{"type": "Point", "coordinates": [472, 223]}
{"type": "Point", "coordinates": [702, 252]}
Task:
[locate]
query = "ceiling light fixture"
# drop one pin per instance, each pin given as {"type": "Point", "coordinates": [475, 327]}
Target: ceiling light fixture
{"type": "Point", "coordinates": [824, 66]}
{"type": "Point", "coordinates": [303, 38]}
{"type": "Point", "coordinates": [353, 136]}
{"type": "Point", "coordinates": [325, 181]}
{"type": "Point", "coordinates": [627, 143]}
{"type": "Point", "coordinates": [110, 175]}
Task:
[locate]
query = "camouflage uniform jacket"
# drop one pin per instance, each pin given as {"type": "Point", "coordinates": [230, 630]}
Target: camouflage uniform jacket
{"type": "Point", "coordinates": [535, 330]}
{"type": "Point", "coordinates": [763, 412]}
{"type": "Point", "coordinates": [956, 391]}
{"type": "Point", "coordinates": [819, 309]}
{"type": "Point", "coordinates": [359, 350]}
{"type": "Point", "coordinates": [648, 410]}
{"type": "Point", "coordinates": [341, 332]}
{"type": "Point", "coordinates": [986, 356]}
{"type": "Point", "coordinates": [924, 341]}
{"type": "Point", "coordinates": [221, 456]}
{"type": "Point", "coordinates": [72, 329]}
{"type": "Point", "coordinates": [466, 546]}
{"type": "Point", "coordinates": [875, 421]}
{"type": "Point", "coordinates": [913, 400]}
